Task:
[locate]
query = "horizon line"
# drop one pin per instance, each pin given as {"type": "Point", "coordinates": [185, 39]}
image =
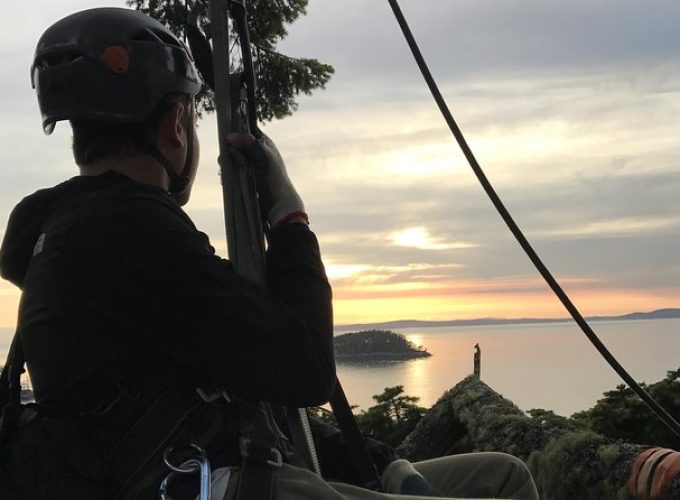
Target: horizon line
{"type": "Point", "coordinates": [666, 312]}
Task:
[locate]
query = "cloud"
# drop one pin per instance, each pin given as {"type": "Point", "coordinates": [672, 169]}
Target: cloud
{"type": "Point", "coordinates": [571, 108]}
{"type": "Point", "coordinates": [412, 275]}
{"type": "Point", "coordinates": [469, 39]}
{"type": "Point", "coordinates": [336, 272]}
{"type": "Point", "coordinates": [616, 227]}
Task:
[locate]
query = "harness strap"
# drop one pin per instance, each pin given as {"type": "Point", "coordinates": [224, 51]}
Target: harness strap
{"type": "Point", "coordinates": [259, 452]}
{"type": "Point", "coordinates": [178, 183]}
{"type": "Point", "coordinates": [10, 388]}
{"type": "Point", "coordinates": [257, 471]}
{"type": "Point", "coordinates": [360, 457]}
{"type": "Point", "coordinates": [150, 433]}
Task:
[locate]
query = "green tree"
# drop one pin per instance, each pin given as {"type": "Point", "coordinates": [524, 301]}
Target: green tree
{"type": "Point", "coordinates": [622, 415]}
{"type": "Point", "coordinates": [280, 79]}
{"type": "Point", "coordinates": [549, 419]}
{"type": "Point", "coordinates": [393, 417]}
{"type": "Point", "coordinates": [325, 415]}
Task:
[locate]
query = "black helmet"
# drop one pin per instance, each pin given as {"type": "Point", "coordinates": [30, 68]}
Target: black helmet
{"type": "Point", "coordinates": [109, 64]}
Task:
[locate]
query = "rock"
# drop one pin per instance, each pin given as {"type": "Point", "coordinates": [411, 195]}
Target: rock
{"type": "Point", "coordinates": [566, 463]}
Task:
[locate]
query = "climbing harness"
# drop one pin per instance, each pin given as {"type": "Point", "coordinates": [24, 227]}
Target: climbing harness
{"type": "Point", "coordinates": [660, 412]}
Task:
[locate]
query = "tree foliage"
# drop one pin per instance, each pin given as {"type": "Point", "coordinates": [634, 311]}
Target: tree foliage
{"type": "Point", "coordinates": [280, 79]}
{"type": "Point", "coordinates": [393, 417]}
{"type": "Point", "coordinates": [375, 341]}
{"type": "Point", "coordinates": [622, 415]}
{"type": "Point", "coordinates": [549, 419]}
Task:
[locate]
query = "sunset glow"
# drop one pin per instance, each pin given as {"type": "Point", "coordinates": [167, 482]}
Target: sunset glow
{"type": "Point", "coordinates": [579, 140]}
{"type": "Point", "coordinates": [419, 237]}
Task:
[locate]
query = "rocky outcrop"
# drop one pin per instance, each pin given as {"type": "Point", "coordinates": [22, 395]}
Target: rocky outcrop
{"type": "Point", "coordinates": [567, 463]}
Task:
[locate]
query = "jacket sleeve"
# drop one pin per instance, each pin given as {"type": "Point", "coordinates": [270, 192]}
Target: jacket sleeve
{"type": "Point", "coordinates": [272, 343]}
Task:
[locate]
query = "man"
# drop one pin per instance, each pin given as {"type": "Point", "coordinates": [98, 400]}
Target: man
{"type": "Point", "coordinates": [122, 296]}
{"type": "Point", "coordinates": [131, 328]}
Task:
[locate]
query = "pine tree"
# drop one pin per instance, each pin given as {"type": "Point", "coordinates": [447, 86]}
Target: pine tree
{"type": "Point", "coordinates": [393, 417]}
{"type": "Point", "coordinates": [280, 79]}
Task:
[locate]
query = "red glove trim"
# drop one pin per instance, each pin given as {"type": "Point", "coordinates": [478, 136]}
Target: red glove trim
{"type": "Point", "coordinates": [298, 214]}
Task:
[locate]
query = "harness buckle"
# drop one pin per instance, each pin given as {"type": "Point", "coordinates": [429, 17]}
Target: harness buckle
{"type": "Point", "coordinates": [260, 453]}
{"type": "Point", "coordinates": [212, 394]}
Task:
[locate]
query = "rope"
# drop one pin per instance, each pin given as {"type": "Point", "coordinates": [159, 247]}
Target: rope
{"type": "Point", "coordinates": [660, 412]}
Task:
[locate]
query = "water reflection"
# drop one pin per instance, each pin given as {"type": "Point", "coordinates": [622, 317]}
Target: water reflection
{"type": "Point", "coordinates": [426, 378]}
{"type": "Point", "coordinates": [537, 366]}
{"type": "Point", "coordinates": [416, 340]}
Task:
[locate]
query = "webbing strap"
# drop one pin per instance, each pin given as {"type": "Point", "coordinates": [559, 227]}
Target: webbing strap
{"type": "Point", "coordinates": [151, 432]}
{"type": "Point", "coordinates": [259, 452]}
{"type": "Point", "coordinates": [257, 471]}
{"type": "Point", "coordinates": [15, 358]}
{"type": "Point", "coordinates": [361, 459]}
{"type": "Point", "coordinates": [10, 388]}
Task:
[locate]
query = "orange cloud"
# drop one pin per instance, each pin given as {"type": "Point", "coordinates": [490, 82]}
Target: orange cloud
{"type": "Point", "coordinates": [357, 302]}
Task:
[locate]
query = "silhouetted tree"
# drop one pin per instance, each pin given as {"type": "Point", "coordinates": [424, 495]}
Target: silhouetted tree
{"type": "Point", "coordinates": [622, 415]}
{"type": "Point", "coordinates": [393, 417]}
{"type": "Point", "coordinates": [280, 79]}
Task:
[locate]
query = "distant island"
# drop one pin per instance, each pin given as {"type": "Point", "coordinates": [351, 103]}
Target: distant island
{"type": "Point", "coordinates": [667, 313]}
{"type": "Point", "coordinates": [376, 345]}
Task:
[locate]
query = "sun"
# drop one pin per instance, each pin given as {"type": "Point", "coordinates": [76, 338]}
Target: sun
{"type": "Point", "coordinates": [415, 237]}
{"type": "Point", "coordinates": [419, 237]}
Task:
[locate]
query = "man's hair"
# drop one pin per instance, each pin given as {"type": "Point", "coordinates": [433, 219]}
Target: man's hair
{"type": "Point", "coordinates": [95, 140]}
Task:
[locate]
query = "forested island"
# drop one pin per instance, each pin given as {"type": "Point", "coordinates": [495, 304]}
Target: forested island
{"type": "Point", "coordinates": [376, 345]}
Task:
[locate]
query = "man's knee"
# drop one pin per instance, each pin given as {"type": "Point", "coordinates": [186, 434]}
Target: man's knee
{"type": "Point", "coordinates": [512, 464]}
{"type": "Point", "coordinates": [480, 475]}
{"type": "Point", "coordinates": [517, 480]}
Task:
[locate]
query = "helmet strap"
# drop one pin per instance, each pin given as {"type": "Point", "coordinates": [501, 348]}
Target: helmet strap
{"type": "Point", "coordinates": [178, 183]}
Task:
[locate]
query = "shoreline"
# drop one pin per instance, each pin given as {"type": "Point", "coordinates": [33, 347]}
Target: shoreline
{"type": "Point", "coordinates": [382, 356]}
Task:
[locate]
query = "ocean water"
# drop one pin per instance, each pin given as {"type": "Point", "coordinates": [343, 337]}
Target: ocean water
{"type": "Point", "coordinates": [5, 339]}
{"type": "Point", "coordinates": [551, 365]}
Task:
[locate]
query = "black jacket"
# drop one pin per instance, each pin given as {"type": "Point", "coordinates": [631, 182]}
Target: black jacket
{"type": "Point", "coordinates": [119, 285]}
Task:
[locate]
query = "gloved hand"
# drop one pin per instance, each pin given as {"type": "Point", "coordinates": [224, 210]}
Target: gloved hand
{"type": "Point", "coordinates": [280, 203]}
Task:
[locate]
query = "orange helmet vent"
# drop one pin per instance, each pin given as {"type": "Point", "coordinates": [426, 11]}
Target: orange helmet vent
{"type": "Point", "coordinates": [117, 59]}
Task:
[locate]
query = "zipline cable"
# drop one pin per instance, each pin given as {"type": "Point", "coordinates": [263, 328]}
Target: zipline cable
{"type": "Point", "coordinates": [660, 412]}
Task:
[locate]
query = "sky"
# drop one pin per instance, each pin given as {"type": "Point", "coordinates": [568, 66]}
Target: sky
{"type": "Point", "coordinates": [572, 109]}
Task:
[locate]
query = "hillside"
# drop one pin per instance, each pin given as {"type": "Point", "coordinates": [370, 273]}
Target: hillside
{"type": "Point", "coordinates": [668, 313]}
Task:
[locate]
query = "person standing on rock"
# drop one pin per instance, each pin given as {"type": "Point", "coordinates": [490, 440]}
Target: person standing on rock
{"type": "Point", "coordinates": [145, 348]}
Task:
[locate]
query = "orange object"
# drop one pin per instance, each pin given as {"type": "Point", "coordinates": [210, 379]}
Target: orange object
{"type": "Point", "coordinates": [117, 59]}
{"type": "Point", "coordinates": [635, 471]}
{"type": "Point", "coordinates": [652, 474]}
{"type": "Point", "coordinates": [644, 480]}
{"type": "Point", "coordinates": [664, 475]}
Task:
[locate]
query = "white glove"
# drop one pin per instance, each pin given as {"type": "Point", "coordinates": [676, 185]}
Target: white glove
{"type": "Point", "coordinates": [286, 204]}
{"type": "Point", "coordinates": [279, 201]}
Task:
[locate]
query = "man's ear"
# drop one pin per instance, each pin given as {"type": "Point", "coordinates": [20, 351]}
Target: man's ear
{"type": "Point", "coordinates": [172, 129]}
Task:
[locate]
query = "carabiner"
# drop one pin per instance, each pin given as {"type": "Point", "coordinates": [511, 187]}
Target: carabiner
{"type": "Point", "coordinates": [200, 463]}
